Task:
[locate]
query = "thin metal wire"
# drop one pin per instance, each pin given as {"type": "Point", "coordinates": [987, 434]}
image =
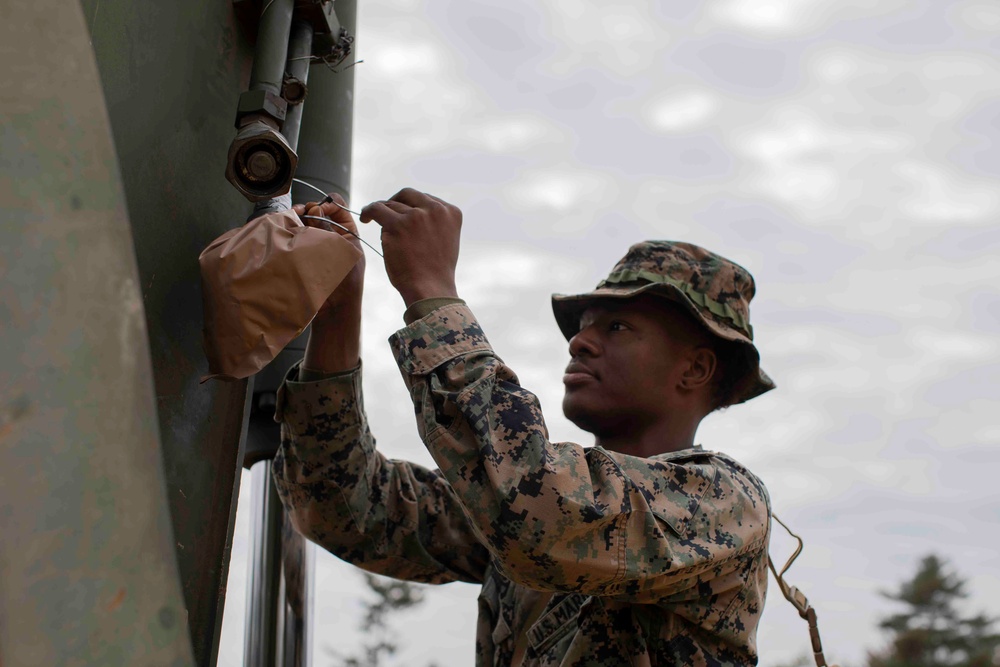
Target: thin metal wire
{"type": "Point", "coordinates": [337, 224]}
{"type": "Point", "coordinates": [326, 197]}
{"type": "Point", "coordinates": [328, 64]}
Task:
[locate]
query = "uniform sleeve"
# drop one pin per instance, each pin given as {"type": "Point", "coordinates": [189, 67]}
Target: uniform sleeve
{"type": "Point", "coordinates": [390, 517]}
{"type": "Point", "coordinates": [556, 516]}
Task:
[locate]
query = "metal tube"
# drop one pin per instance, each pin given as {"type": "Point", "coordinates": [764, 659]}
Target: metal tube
{"type": "Point", "coordinates": [260, 641]}
{"type": "Point", "coordinates": [272, 46]}
{"type": "Point", "coordinates": [294, 629]}
{"type": "Point", "coordinates": [299, 49]}
{"type": "Point", "coordinates": [299, 52]}
{"type": "Point", "coordinates": [281, 579]}
{"type": "Point", "coordinates": [293, 621]}
{"type": "Point", "coordinates": [278, 622]}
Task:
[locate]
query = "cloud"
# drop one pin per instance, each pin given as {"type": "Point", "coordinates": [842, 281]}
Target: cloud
{"type": "Point", "coordinates": [774, 18]}
{"type": "Point", "coordinates": [513, 133]}
{"type": "Point", "coordinates": [737, 64]}
{"type": "Point", "coordinates": [562, 189]}
{"type": "Point", "coordinates": [623, 40]}
{"type": "Point", "coordinates": [678, 111]}
{"type": "Point", "coordinates": [808, 163]}
{"type": "Point", "coordinates": [938, 196]}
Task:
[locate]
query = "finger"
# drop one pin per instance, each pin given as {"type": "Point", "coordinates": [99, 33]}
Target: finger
{"type": "Point", "coordinates": [402, 209]}
{"type": "Point", "coordinates": [336, 213]}
{"type": "Point", "coordinates": [381, 212]}
{"type": "Point", "coordinates": [317, 223]}
{"type": "Point", "coordinates": [299, 209]}
{"type": "Point", "coordinates": [398, 207]}
{"type": "Point", "coordinates": [411, 197]}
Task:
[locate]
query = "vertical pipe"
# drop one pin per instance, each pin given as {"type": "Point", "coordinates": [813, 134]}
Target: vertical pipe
{"type": "Point", "coordinates": [294, 622]}
{"type": "Point", "coordinates": [295, 599]}
{"type": "Point", "coordinates": [268, 72]}
{"type": "Point", "coordinates": [260, 650]}
{"type": "Point", "coordinates": [272, 45]}
{"type": "Point", "coordinates": [299, 54]}
{"type": "Point", "coordinates": [278, 622]}
{"type": "Point", "coordinates": [260, 647]}
{"type": "Point", "coordinates": [279, 636]}
{"type": "Point", "coordinates": [299, 46]}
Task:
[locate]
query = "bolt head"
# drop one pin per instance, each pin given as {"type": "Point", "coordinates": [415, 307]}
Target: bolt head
{"type": "Point", "coordinates": [262, 166]}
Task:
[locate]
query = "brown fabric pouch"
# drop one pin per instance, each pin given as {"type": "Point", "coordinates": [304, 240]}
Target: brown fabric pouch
{"type": "Point", "coordinates": [261, 285]}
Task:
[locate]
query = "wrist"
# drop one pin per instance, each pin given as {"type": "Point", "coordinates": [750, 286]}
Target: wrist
{"type": "Point", "coordinates": [334, 343]}
{"type": "Point", "coordinates": [418, 292]}
{"type": "Point", "coordinates": [336, 314]}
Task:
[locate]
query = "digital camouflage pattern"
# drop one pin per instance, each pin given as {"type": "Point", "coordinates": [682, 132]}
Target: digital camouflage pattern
{"type": "Point", "coordinates": [715, 290]}
{"type": "Point", "coordinates": [586, 556]}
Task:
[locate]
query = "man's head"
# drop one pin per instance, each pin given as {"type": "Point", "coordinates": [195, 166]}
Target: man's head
{"type": "Point", "coordinates": [667, 333]}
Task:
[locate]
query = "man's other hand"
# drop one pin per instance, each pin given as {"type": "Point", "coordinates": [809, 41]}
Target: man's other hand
{"type": "Point", "coordinates": [420, 239]}
{"type": "Point", "coordinates": [348, 293]}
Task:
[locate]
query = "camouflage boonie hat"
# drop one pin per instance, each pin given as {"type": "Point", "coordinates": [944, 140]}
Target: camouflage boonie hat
{"type": "Point", "coordinates": [716, 291]}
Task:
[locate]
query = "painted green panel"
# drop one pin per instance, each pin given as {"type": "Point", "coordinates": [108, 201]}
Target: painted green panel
{"type": "Point", "coordinates": [88, 574]}
{"type": "Point", "coordinates": [172, 74]}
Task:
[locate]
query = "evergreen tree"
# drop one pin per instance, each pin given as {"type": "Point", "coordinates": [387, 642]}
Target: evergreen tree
{"type": "Point", "coordinates": [930, 631]}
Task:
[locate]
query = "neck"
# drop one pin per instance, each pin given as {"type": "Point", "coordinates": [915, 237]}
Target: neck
{"type": "Point", "coordinates": [669, 435]}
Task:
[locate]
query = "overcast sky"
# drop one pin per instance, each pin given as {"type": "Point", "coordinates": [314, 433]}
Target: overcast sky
{"type": "Point", "coordinates": [845, 151]}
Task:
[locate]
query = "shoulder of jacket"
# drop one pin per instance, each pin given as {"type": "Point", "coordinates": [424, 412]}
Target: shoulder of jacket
{"type": "Point", "coordinates": [750, 483]}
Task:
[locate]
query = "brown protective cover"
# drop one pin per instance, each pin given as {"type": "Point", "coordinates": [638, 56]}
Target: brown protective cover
{"type": "Point", "coordinates": [261, 286]}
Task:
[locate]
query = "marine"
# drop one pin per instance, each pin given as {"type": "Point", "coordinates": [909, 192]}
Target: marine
{"type": "Point", "coordinates": [642, 549]}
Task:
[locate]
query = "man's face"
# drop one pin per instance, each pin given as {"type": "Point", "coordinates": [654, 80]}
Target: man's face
{"type": "Point", "coordinates": [625, 365]}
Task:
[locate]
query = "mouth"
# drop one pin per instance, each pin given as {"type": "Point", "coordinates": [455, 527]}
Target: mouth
{"type": "Point", "coordinates": [577, 374]}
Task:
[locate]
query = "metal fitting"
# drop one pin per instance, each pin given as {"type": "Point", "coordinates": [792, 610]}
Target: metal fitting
{"type": "Point", "coordinates": [261, 163]}
{"type": "Point", "coordinates": [293, 90]}
{"type": "Point", "coordinates": [261, 102]}
{"type": "Point", "coordinates": [320, 14]}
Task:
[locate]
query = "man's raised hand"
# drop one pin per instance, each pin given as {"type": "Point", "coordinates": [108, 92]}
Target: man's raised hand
{"type": "Point", "coordinates": [348, 293]}
{"type": "Point", "coordinates": [420, 240]}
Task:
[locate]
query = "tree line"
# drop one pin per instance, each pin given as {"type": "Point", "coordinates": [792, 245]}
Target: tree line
{"type": "Point", "coordinates": [929, 628]}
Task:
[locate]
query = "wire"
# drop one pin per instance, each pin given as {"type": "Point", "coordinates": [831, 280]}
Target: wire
{"type": "Point", "coordinates": [326, 197]}
{"type": "Point", "coordinates": [337, 224]}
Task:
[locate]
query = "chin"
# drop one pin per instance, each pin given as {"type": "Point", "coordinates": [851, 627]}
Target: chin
{"type": "Point", "coordinates": [581, 417]}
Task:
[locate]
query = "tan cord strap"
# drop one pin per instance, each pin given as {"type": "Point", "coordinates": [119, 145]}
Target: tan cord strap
{"type": "Point", "coordinates": [798, 598]}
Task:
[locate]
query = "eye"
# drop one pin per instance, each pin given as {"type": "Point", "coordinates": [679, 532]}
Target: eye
{"type": "Point", "coordinates": [617, 325]}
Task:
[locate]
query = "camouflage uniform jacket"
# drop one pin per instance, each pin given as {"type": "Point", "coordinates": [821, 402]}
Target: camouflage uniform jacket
{"type": "Point", "coordinates": [585, 556]}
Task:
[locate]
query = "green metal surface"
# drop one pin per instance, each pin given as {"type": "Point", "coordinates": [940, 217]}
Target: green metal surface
{"type": "Point", "coordinates": [87, 564]}
{"type": "Point", "coordinates": [327, 121]}
{"type": "Point", "coordinates": [172, 74]}
{"type": "Point", "coordinates": [91, 562]}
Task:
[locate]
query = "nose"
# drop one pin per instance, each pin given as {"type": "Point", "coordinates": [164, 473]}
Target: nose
{"type": "Point", "coordinates": [584, 342]}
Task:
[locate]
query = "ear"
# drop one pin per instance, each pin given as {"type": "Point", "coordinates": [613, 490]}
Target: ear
{"type": "Point", "coordinates": [700, 368]}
